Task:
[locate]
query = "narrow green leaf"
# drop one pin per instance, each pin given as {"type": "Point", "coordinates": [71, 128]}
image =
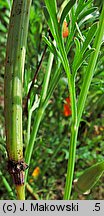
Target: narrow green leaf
{"type": "Point", "coordinates": [90, 35]}
{"type": "Point", "coordinates": [81, 60]}
{"type": "Point", "coordinates": [87, 53]}
{"type": "Point", "coordinates": [54, 27]}
{"type": "Point", "coordinates": [90, 177]}
{"type": "Point", "coordinates": [49, 45]}
{"type": "Point", "coordinates": [80, 56]}
{"type": "Point", "coordinates": [66, 10]}
{"type": "Point", "coordinates": [49, 21]}
{"type": "Point", "coordinates": [86, 13]}
{"type": "Point", "coordinates": [77, 55]}
{"type": "Point", "coordinates": [81, 6]}
{"type": "Point", "coordinates": [52, 47]}
{"type": "Point", "coordinates": [51, 7]}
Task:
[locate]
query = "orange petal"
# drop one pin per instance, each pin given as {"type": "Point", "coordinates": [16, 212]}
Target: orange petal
{"type": "Point", "coordinates": [67, 107]}
{"type": "Point", "coordinates": [68, 100]}
{"type": "Point", "coordinates": [65, 31]}
{"type": "Point", "coordinates": [67, 110]}
{"type": "Point", "coordinates": [36, 172]}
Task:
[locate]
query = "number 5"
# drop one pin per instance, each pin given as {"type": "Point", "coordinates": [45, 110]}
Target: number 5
{"type": "Point", "coordinates": [97, 206]}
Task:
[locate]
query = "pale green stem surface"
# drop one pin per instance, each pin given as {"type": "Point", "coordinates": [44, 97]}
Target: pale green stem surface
{"type": "Point", "coordinates": [14, 69]}
{"type": "Point", "coordinates": [15, 59]}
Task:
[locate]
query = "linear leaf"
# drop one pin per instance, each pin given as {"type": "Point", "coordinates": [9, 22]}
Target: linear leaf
{"type": "Point", "coordinates": [52, 10]}
{"type": "Point", "coordinates": [81, 60]}
{"type": "Point", "coordinates": [90, 35]}
{"type": "Point", "coordinates": [86, 13]}
{"type": "Point", "coordinates": [66, 10]}
{"type": "Point", "coordinates": [49, 21]}
{"type": "Point", "coordinates": [52, 48]}
{"type": "Point", "coordinates": [87, 53]}
{"type": "Point", "coordinates": [81, 6]}
{"type": "Point", "coordinates": [77, 53]}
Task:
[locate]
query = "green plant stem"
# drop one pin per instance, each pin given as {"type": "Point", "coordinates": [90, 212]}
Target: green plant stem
{"type": "Point", "coordinates": [20, 192]}
{"type": "Point", "coordinates": [14, 69]}
{"type": "Point", "coordinates": [74, 128]}
{"type": "Point", "coordinates": [71, 163]}
{"type": "Point", "coordinates": [40, 111]}
{"type": "Point", "coordinates": [91, 67]}
{"type": "Point", "coordinates": [47, 78]}
{"type": "Point", "coordinates": [29, 148]}
{"type": "Point", "coordinates": [6, 184]}
{"type": "Point", "coordinates": [72, 147]}
{"type": "Point", "coordinates": [29, 126]}
{"type": "Point", "coordinates": [81, 103]}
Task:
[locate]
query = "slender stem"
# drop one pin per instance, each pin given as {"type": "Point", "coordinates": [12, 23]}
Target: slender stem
{"type": "Point", "coordinates": [91, 66]}
{"type": "Point", "coordinates": [71, 163]}
{"type": "Point", "coordinates": [47, 78]}
{"type": "Point", "coordinates": [7, 186]}
{"type": "Point", "coordinates": [30, 145]}
{"type": "Point", "coordinates": [31, 191]}
{"type": "Point", "coordinates": [81, 103]}
{"type": "Point", "coordinates": [72, 147]}
{"type": "Point", "coordinates": [40, 111]}
{"type": "Point", "coordinates": [29, 126]}
{"type": "Point", "coordinates": [74, 129]}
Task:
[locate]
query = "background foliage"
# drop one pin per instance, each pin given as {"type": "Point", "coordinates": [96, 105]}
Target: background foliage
{"type": "Point", "coordinates": [51, 149]}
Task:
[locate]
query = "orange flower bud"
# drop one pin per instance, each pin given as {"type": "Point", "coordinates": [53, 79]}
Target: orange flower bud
{"type": "Point", "coordinates": [65, 30]}
{"type": "Point", "coordinates": [67, 107]}
{"type": "Point", "coordinates": [36, 172]}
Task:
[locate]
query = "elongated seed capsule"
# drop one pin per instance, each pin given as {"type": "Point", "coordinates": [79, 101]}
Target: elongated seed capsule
{"type": "Point", "coordinates": [14, 68]}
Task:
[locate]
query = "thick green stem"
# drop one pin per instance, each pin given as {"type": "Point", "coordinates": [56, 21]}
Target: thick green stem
{"type": "Point", "coordinates": [15, 59]}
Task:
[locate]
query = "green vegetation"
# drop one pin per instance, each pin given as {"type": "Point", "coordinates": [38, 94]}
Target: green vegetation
{"type": "Point", "coordinates": [54, 102]}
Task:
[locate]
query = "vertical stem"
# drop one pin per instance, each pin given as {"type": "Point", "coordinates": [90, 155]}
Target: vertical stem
{"type": "Point", "coordinates": [91, 66]}
{"type": "Point", "coordinates": [72, 147]}
{"type": "Point", "coordinates": [74, 128]}
{"type": "Point", "coordinates": [40, 111]}
{"type": "Point", "coordinates": [14, 68]}
{"type": "Point", "coordinates": [71, 163]}
{"type": "Point", "coordinates": [7, 186]}
{"type": "Point", "coordinates": [29, 126]}
{"type": "Point", "coordinates": [47, 77]}
{"type": "Point", "coordinates": [29, 148]}
{"type": "Point", "coordinates": [81, 103]}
